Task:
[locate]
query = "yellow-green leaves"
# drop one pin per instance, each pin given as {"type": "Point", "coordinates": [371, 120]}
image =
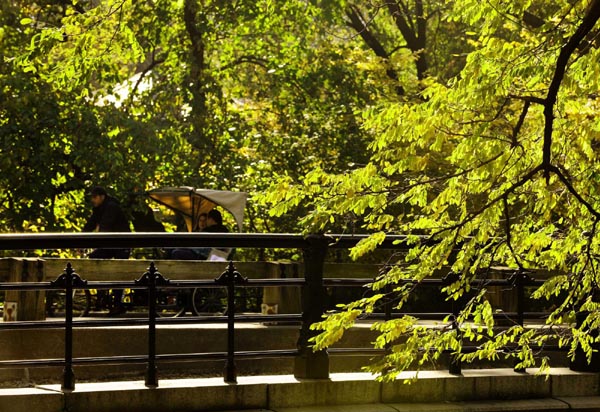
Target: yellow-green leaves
{"type": "Point", "coordinates": [367, 245]}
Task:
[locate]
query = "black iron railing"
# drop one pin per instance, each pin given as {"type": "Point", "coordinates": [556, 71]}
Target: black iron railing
{"type": "Point", "coordinates": [308, 363]}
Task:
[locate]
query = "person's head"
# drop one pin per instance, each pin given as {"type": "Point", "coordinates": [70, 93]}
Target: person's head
{"type": "Point", "coordinates": [202, 221]}
{"type": "Point", "coordinates": [214, 217]}
{"type": "Point", "coordinates": [98, 194]}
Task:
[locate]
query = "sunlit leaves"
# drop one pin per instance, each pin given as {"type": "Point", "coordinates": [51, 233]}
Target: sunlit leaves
{"type": "Point", "coordinates": [463, 168]}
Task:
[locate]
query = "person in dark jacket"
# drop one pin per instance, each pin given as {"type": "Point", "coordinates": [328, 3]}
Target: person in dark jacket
{"type": "Point", "coordinates": [107, 216]}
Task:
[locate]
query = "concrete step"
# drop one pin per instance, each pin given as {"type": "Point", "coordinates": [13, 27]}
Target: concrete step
{"type": "Point", "coordinates": [476, 391]}
{"type": "Point", "coordinates": [177, 339]}
{"type": "Point", "coordinates": [171, 339]}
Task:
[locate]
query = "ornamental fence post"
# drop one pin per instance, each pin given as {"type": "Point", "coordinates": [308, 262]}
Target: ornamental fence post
{"type": "Point", "coordinates": [68, 280]}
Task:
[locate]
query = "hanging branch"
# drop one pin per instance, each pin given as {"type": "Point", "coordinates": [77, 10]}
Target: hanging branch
{"type": "Point", "coordinates": [517, 129]}
{"type": "Point", "coordinates": [361, 26]}
{"type": "Point", "coordinates": [588, 23]}
{"type": "Point", "coordinates": [508, 232]}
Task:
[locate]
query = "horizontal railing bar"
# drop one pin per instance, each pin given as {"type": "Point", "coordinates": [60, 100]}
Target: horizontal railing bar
{"type": "Point", "coordinates": [177, 284]}
{"type": "Point", "coordinates": [25, 241]}
{"type": "Point", "coordinates": [190, 357]}
{"type": "Point", "coordinates": [31, 363]}
{"type": "Point", "coordinates": [250, 283]}
{"type": "Point", "coordinates": [59, 324]}
{"type": "Point", "coordinates": [275, 353]}
{"type": "Point", "coordinates": [355, 351]}
{"type": "Point", "coordinates": [129, 359]}
{"type": "Point", "coordinates": [219, 319]}
{"type": "Point", "coordinates": [107, 360]}
{"type": "Point", "coordinates": [210, 283]}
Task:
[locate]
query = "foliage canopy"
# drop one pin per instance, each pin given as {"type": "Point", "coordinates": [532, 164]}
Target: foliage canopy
{"type": "Point", "coordinates": [496, 165]}
{"type": "Point", "coordinates": [470, 124]}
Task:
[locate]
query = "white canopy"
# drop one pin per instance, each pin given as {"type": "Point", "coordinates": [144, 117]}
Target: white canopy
{"type": "Point", "coordinates": [192, 202]}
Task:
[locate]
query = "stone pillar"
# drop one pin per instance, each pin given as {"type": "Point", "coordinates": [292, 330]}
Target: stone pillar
{"type": "Point", "coordinates": [284, 299]}
{"type": "Point", "coordinates": [309, 364]}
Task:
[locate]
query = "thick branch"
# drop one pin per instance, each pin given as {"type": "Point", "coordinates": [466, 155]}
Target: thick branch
{"type": "Point", "coordinates": [403, 24]}
{"type": "Point", "coordinates": [571, 189]}
{"type": "Point", "coordinates": [530, 99]}
{"type": "Point", "coordinates": [492, 202]}
{"type": "Point", "coordinates": [588, 23]}
{"type": "Point", "coordinates": [517, 129]}
{"type": "Point", "coordinates": [421, 37]}
{"type": "Point", "coordinates": [415, 41]}
{"type": "Point", "coordinates": [360, 25]}
{"type": "Point", "coordinates": [198, 79]}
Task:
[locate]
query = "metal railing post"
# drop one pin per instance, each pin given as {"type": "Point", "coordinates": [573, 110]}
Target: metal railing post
{"type": "Point", "coordinates": [68, 280]}
{"type": "Point", "coordinates": [68, 374]}
{"type": "Point", "coordinates": [309, 364]}
{"type": "Point", "coordinates": [230, 277]}
{"type": "Point", "coordinates": [455, 367]}
{"type": "Point", "coordinates": [151, 279]}
{"type": "Point", "coordinates": [519, 280]}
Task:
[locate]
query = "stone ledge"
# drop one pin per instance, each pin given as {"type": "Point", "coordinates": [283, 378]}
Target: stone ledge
{"type": "Point", "coordinates": [483, 406]}
{"type": "Point", "coordinates": [475, 391]}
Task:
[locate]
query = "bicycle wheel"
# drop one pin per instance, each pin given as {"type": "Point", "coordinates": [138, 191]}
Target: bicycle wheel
{"type": "Point", "coordinates": [55, 303]}
{"type": "Point", "coordinates": [171, 303]}
{"type": "Point", "coordinates": [209, 301]}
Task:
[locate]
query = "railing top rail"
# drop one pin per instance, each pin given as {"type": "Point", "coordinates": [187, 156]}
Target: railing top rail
{"type": "Point", "coordinates": [23, 241]}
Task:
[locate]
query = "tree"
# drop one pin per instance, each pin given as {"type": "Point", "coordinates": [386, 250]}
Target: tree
{"type": "Point", "coordinates": [496, 165]}
{"type": "Point", "coordinates": [225, 95]}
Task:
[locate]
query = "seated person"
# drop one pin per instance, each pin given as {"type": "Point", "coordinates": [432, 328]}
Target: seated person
{"type": "Point", "coordinates": [214, 224]}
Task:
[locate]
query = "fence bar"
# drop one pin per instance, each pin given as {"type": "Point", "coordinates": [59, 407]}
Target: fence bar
{"type": "Point", "coordinates": [229, 278]}
{"type": "Point", "coordinates": [455, 367]}
{"type": "Point", "coordinates": [150, 280]}
{"type": "Point", "coordinates": [68, 374]}
{"type": "Point", "coordinates": [230, 369]}
{"type": "Point", "coordinates": [66, 279]}
{"type": "Point", "coordinates": [519, 280]}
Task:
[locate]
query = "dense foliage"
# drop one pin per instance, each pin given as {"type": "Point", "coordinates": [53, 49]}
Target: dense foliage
{"type": "Point", "coordinates": [496, 165]}
{"type": "Point", "coordinates": [136, 95]}
{"type": "Point", "coordinates": [468, 124]}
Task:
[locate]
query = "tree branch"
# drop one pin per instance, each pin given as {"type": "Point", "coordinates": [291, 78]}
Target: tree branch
{"type": "Point", "coordinates": [572, 190]}
{"type": "Point", "coordinates": [415, 40]}
{"type": "Point", "coordinates": [587, 24]}
{"type": "Point", "coordinates": [492, 202]}
{"type": "Point", "coordinates": [360, 25]}
{"type": "Point", "coordinates": [530, 99]}
{"type": "Point", "coordinates": [508, 233]}
{"type": "Point", "coordinates": [247, 59]}
{"type": "Point", "coordinates": [402, 23]}
{"type": "Point", "coordinates": [517, 129]}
